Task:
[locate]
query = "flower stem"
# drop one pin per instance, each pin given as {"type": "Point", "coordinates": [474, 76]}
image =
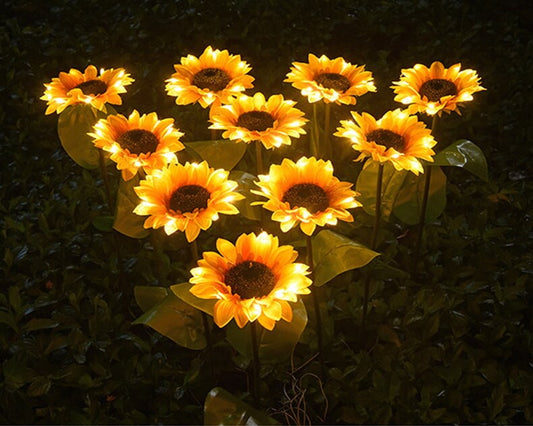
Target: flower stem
{"type": "Point", "coordinates": [259, 157]}
{"type": "Point", "coordinates": [326, 152]}
{"type": "Point", "coordinates": [103, 171]}
{"type": "Point", "coordinates": [316, 303]}
{"type": "Point", "coordinates": [374, 239]}
{"type": "Point", "coordinates": [315, 138]}
{"type": "Point", "coordinates": [256, 365]}
{"type": "Point", "coordinates": [425, 197]}
{"type": "Point", "coordinates": [205, 320]}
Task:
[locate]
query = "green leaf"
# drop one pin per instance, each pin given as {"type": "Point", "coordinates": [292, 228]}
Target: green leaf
{"type": "Point", "coordinates": [275, 345]}
{"type": "Point", "coordinates": [40, 324]}
{"type": "Point", "coordinates": [223, 408]}
{"type": "Point", "coordinates": [182, 291]}
{"type": "Point", "coordinates": [246, 182]}
{"type": "Point", "coordinates": [147, 296]}
{"type": "Point", "coordinates": [334, 254]}
{"type": "Point", "coordinates": [408, 205]}
{"type": "Point", "coordinates": [220, 153]}
{"type": "Point", "coordinates": [367, 185]}
{"type": "Point", "coordinates": [466, 154]}
{"type": "Point", "coordinates": [127, 222]}
{"type": "Point", "coordinates": [177, 320]}
{"type": "Point", "coordinates": [72, 127]}
{"type": "Point", "coordinates": [103, 223]}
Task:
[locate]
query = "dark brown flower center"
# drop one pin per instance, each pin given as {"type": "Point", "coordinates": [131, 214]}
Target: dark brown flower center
{"type": "Point", "coordinates": [138, 141]}
{"type": "Point", "coordinates": [92, 87]}
{"type": "Point", "coordinates": [213, 79]}
{"type": "Point", "coordinates": [437, 88]}
{"type": "Point", "coordinates": [250, 279]}
{"type": "Point", "coordinates": [386, 138]}
{"type": "Point", "coordinates": [307, 195]}
{"type": "Point", "coordinates": [255, 120]}
{"type": "Point", "coordinates": [333, 81]}
{"type": "Point", "coordinates": [188, 198]}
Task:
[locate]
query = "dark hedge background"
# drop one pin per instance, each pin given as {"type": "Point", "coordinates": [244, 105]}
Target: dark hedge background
{"type": "Point", "coordinates": [453, 347]}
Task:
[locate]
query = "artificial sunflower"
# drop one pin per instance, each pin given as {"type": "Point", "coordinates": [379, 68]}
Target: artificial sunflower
{"type": "Point", "coordinates": [138, 141]}
{"type": "Point", "coordinates": [253, 118]}
{"type": "Point", "coordinates": [252, 280]}
{"type": "Point", "coordinates": [333, 80]}
{"type": "Point", "coordinates": [396, 137]}
{"type": "Point", "coordinates": [214, 75]}
{"type": "Point", "coordinates": [88, 87]}
{"type": "Point", "coordinates": [306, 192]}
{"type": "Point", "coordinates": [436, 89]}
{"type": "Point", "coordinates": [186, 198]}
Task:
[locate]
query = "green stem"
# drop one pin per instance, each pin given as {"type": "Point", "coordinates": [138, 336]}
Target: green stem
{"type": "Point", "coordinates": [259, 157]}
{"type": "Point", "coordinates": [103, 172]}
{"type": "Point", "coordinates": [205, 320]}
{"type": "Point", "coordinates": [315, 138]}
{"type": "Point", "coordinates": [256, 365]}
{"type": "Point", "coordinates": [374, 239]}
{"type": "Point", "coordinates": [425, 197]}
{"type": "Point", "coordinates": [326, 140]}
{"type": "Point", "coordinates": [316, 304]}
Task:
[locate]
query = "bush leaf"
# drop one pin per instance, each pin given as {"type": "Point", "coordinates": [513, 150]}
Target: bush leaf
{"type": "Point", "coordinates": [177, 320]}
{"type": "Point", "coordinates": [223, 408]}
{"type": "Point", "coordinates": [126, 222]}
{"type": "Point", "coordinates": [367, 184]}
{"type": "Point", "coordinates": [466, 154]}
{"type": "Point", "coordinates": [334, 254]}
{"type": "Point", "coordinates": [275, 345]}
{"type": "Point", "coordinates": [408, 205]}
{"type": "Point", "coordinates": [220, 153]}
{"type": "Point", "coordinates": [73, 125]}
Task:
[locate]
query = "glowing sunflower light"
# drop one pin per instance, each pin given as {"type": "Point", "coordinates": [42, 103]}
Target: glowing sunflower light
{"type": "Point", "coordinates": [436, 89]}
{"type": "Point", "coordinates": [186, 198]}
{"type": "Point", "coordinates": [252, 280]}
{"type": "Point", "coordinates": [138, 141]}
{"type": "Point", "coordinates": [252, 118]}
{"type": "Point", "coordinates": [333, 80]}
{"type": "Point", "coordinates": [306, 193]}
{"type": "Point", "coordinates": [397, 137]}
{"type": "Point", "coordinates": [214, 75]}
{"type": "Point", "coordinates": [88, 87]}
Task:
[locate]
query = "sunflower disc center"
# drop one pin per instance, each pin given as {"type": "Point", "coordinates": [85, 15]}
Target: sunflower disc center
{"type": "Point", "coordinates": [250, 279]}
{"type": "Point", "coordinates": [213, 79]}
{"type": "Point", "coordinates": [333, 81]}
{"type": "Point", "coordinates": [255, 120]}
{"type": "Point", "coordinates": [437, 88]}
{"type": "Point", "coordinates": [92, 87]}
{"type": "Point", "coordinates": [386, 138]}
{"type": "Point", "coordinates": [138, 141]}
{"type": "Point", "coordinates": [307, 195]}
{"type": "Point", "coordinates": [188, 198]}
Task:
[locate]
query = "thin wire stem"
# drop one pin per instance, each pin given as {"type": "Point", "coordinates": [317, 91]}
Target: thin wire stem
{"type": "Point", "coordinates": [255, 362]}
{"type": "Point", "coordinates": [423, 209]}
{"type": "Point", "coordinates": [103, 172]}
{"type": "Point", "coordinates": [374, 239]}
{"type": "Point", "coordinates": [315, 137]}
{"type": "Point", "coordinates": [316, 304]}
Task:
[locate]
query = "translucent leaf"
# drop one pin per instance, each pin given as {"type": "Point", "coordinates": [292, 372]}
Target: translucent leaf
{"type": "Point", "coordinates": [408, 205]}
{"type": "Point", "coordinates": [465, 154]}
{"type": "Point", "coordinates": [147, 296]}
{"type": "Point", "coordinates": [246, 182]}
{"type": "Point", "coordinates": [127, 222]}
{"type": "Point", "coordinates": [182, 291]}
{"type": "Point", "coordinates": [223, 408]}
{"type": "Point", "coordinates": [367, 185]}
{"type": "Point", "coordinates": [72, 127]}
{"type": "Point", "coordinates": [334, 254]}
{"type": "Point", "coordinates": [177, 320]}
{"type": "Point", "coordinates": [275, 345]}
{"type": "Point", "coordinates": [220, 153]}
